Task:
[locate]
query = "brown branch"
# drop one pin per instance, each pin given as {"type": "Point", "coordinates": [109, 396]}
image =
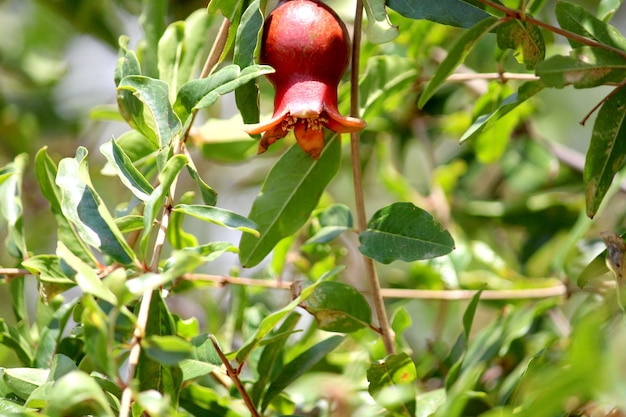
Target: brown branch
{"type": "Point", "coordinates": [520, 15]}
{"type": "Point", "coordinates": [370, 268]}
{"type": "Point", "coordinates": [547, 292]}
{"type": "Point", "coordinates": [235, 378]}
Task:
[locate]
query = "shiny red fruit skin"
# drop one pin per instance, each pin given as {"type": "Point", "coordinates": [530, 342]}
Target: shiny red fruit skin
{"type": "Point", "coordinates": [309, 47]}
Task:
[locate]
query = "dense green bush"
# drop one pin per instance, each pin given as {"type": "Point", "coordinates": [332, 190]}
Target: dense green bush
{"type": "Point", "coordinates": [170, 271]}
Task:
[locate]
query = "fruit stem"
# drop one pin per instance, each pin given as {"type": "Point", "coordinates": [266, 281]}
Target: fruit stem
{"type": "Point", "coordinates": [370, 268]}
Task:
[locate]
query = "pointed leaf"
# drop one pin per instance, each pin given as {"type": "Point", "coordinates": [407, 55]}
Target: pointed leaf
{"type": "Point", "coordinates": [127, 63]}
{"type": "Point", "coordinates": [334, 220]}
{"type": "Point", "coordinates": [11, 177]}
{"type": "Point", "coordinates": [219, 216]}
{"type": "Point", "coordinates": [46, 171]}
{"type": "Point", "coordinates": [404, 232]}
{"type": "Point", "coordinates": [168, 350]}
{"type": "Point", "coordinates": [77, 392]}
{"type": "Point", "coordinates": [585, 68]}
{"type": "Point", "coordinates": [269, 322]}
{"type": "Point", "coordinates": [392, 383]}
{"type": "Point", "coordinates": [177, 237]}
{"type": "Point", "coordinates": [487, 121]}
{"type": "Point", "coordinates": [23, 381]}
{"type": "Point", "coordinates": [247, 95]}
{"type": "Point", "coordinates": [456, 55]}
{"type": "Point", "coordinates": [202, 93]}
{"type": "Point", "coordinates": [166, 178]}
{"type": "Point", "coordinates": [577, 19]}
{"type": "Point", "coordinates": [338, 307]}
{"type": "Point", "coordinates": [152, 19]}
{"type": "Point", "coordinates": [289, 194]}
{"type": "Point", "coordinates": [162, 122]}
{"type": "Point", "coordinates": [209, 196]}
{"type": "Point", "coordinates": [379, 28]}
{"type": "Point", "coordinates": [82, 205]}
{"type": "Point", "coordinates": [126, 171]}
{"type": "Point", "coordinates": [607, 150]}
{"type": "Point", "coordinates": [299, 366]}
{"type": "Point", "coordinates": [525, 40]}
{"type": "Point", "coordinates": [448, 12]}
{"type": "Point", "coordinates": [86, 278]}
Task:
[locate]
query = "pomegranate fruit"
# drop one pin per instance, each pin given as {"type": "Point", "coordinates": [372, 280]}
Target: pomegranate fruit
{"type": "Point", "coordinates": [308, 46]}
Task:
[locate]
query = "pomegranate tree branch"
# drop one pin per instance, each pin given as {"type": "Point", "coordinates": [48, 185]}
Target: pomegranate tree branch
{"type": "Point", "coordinates": [520, 15]}
{"type": "Point", "coordinates": [370, 268]}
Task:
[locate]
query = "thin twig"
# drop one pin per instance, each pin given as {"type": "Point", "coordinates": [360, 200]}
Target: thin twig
{"type": "Point", "coordinates": [604, 100]}
{"type": "Point", "coordinates": [502, 76]}
{"type": "Point", "coordinates": [379, 304]}
{"type": "Point", "coordinates": [520, 15]}
{"type": "Point", "coordinates": [142, 317]}
{"type": "Point", "coordinates": [235, 378]}
{"type": "Point", "coordinates": [526, 293]}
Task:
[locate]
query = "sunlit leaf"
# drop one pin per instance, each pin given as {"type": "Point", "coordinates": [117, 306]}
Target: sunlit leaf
{"type": "Point", "coordinates": [338, 307]}
{"type": "Point", "coordinates": [46, 171]}
{"type": "Point", "coordinates": [11, 210]}
{"type": "Point", "coordinates": [126, 171]}
{"type": "Point", "coordinates": [23, 381]}
{"type": "Point", "coordinates": [77, 392]}
{"type": "Point", "coordinates": [219, 216]}
{"type": "Point", "coordinates": [392, 383]}
{"type": "Point", "coordinates": [288, 196]}
{"type": "Point", "coordinates": [82, 205]}
{"type": "Point", "coordinates": [404, 232]}
{"type": "Point", "coordinates": [153, 21]}
{"type": "Point", "coordinates": [157, 118]}
{"type": "Point", "coordinates": [379, 28]}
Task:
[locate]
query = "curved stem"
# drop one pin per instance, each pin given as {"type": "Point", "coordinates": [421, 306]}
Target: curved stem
{"type": "Point", "coordinates": [370, 268]}
{"type": "Point", "coordinates": [520, 15]}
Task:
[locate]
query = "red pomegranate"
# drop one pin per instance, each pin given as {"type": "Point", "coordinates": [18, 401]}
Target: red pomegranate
{"type": "Point", "coordinates": [309, 47]}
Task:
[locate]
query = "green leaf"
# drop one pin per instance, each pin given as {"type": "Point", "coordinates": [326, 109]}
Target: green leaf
{"type": "Point", "coordinates": [152, 19]}
{"type": "Point", "coordinates": [156, 118]}
{"type": "Point", "coordinates": [86, 277]}
{"type": "Point", "coordinates": [299, 366]}
{"type": "Point", "coordinates": [97, 336]}
{"type": "Point", "coordinates": [46, 171]}
{"type": "Point", "coordinates": [608, 8]}
{"type": "Point", "coordinates": [177, 237]}
{"type": "Point", "coordinates": [271, 360]}
{"type": "Point", "coordinates": [209, 196]}
{"type": "Point", "coordinates": [404, 232]}
{"type": "Point", "coordinates": [288, 196]}
{"type": "Point", "coordinates": [152, 374]}
{"type": "Point", "coordinates": [11, 177]}
{"type": "Point", "coordinates": [384, 83]}
{"type": "Point", "coordinates": [448, 12]}
{"type": "Point", "coordinates": [427, 403]}
{"type": "Point", "coordinates": [166, 178]}
{"type": "Point", "coordinates": [488, 121]}
{"type": "Point", "coordinates": [468, 316]}
{"type": "Point", "coordinates": [23, 381]}
{"type": "Point", "coordinates": [577, 19]}
{"type": "Point", "coordinates": [202, 93]}
{"type": "Point", "coordinates": [77, 393]}
{"type": "Point", "coordinates": [525, 40]}
{"type": "Point", "coordinates": [49, 272]}
{"type": "Point", "coordinates": [170, 51]}
{"type": "Point", "coordinates": [456, 55]}
{"type": "Point", "coordinates": [82, 205]}
{"type": "Point", "coordinates": [338, 307]}
{"type": "Point", "coordinates": [17, 341]}
{"type": "Point", "coordinates": [379, 28]}
{"type": "Point", "coordinates": [269, 322]}
{"type": "Point", "coordinates": [585, 68]}
{"type": "Point", "coordinates": [168, 350]}
{"type": "Point", "coordinates": [392, 383]}
{"type": "Point", "coordinates": [607, 150]}
{"type": "Point", "coordinates": [126, 171]}
{"type": "Point", "coordinates": [247, 95]}
{"type": "Point", "coordinates": [127, 63]}
{"type": "Point", "coordinates": [219, 216]}
{"type": "Point", "coordinates": [334, 220]}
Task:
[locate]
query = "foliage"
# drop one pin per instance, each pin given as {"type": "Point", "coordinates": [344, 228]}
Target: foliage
{"type": "Point", "coordinates": [117, 300]}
